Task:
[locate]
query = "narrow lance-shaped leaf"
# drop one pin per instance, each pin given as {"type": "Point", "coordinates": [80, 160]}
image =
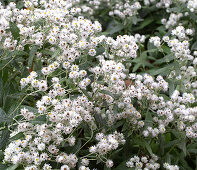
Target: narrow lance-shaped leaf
{"type": "Point", "coordinates": [3, 116]}
{"type": "Point", "coordinates": [4, 138]}
{"type": "Point", "coordinates": [14, 30]}
{"type": "Point", "coordinates": [31, 55]}
{"type": "Point", "coordinates": [13, 167]}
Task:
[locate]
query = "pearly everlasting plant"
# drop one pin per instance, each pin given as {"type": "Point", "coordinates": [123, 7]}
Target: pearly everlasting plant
{"type": "Point", "coordinates": [98, 84]}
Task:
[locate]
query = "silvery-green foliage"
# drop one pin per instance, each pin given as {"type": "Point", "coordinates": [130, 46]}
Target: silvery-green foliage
{"type": "Point", "coordinates": [98, 84]}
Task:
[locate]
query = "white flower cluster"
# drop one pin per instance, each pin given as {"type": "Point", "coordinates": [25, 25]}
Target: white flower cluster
{"type": "Point", "coordinates": [24, 18]}
{"type": "Point", "coordinates": [145, 163]}
{"type": "Point", "coordinates": [124, 46]}
{"type": "Point", "coordinates": [107, 143]}
{"type": "Point", "coordinates": [91, 6]}
{"type": "Point", "coordinates": [31, 79]}
{"type": "Point", "coordinates": [64, 115]}
{"type": "Point", "coordinates": [187, 115]}
{"type": "Point", "coordinates": [180, 49]}
{"type": "Point", "coordinates": [156, 41]}
{"type": "Point", "coordinates": [71, 34]}
{"type": "Point", "coordinates": [27, 114]}
{"type": "Point", "coordinates": [192, 5]}
{"type": "Point", "coordinates": [180, 46]}
{"type": "Point", "coordinates": [170, 167]}
{"type": "Point", "coordinates": [76, 85]}
{"type": "Point", "coordinates": [181, 33]}
{"type": "Point", "coordinates": [37, 148]}
{"type": "Point", "coordinates": [41, 142]}
{"type": "Point", "coordinates": [172, 20]}
{"type": "Point", "coordinates": [125, 9]}
{"type": "Point", "coordinates": [112, 72]}
{"type": "Point", "coordinates": [177, 111]}
{"type": "Point", "coordinates": [164, 3]}
{"type": "Point", "coordinates": [186, 74]}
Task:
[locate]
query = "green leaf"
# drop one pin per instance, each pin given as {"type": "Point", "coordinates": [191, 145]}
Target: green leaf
{"type": "Point", "coordinates": [39, 120]}
{"type": "Point", "coordinates": [192, 151]}
{"type": "Point", "coordinates": [1, 156]}
{"type": "Point", "coordinates": [168, 158]}
{"type": "Point", "coordinates": [165, 59]}
{"type": "Point", "coordinates": [20, 4]}
{"type": "Point", "coordinates": [177, 67]}
{"type": "Point", "coordinates": [77, 146]}
{"type": "Point", "coordinates": [182, 146]}
{"type": "Point", "coordinates": [3, 116]}
{"type": "Point", "coordinates": [1, 89]}
{"type": "Point", "coordinates": [184, 162]}
{"type": "Point", "coordinates": [106, 168]}
{"type": "Point", "coordinates": [20, 53]}
{"type": "Point", "coordinates": [56, 53]}
{"type": "Point", "coordinates": [148, 119]}
{"type": "Point", "coordinates": [144, 23]}
{"type": "Point", "coordinates": [171, 87]}
{"type": "Point", "coordinates": [122, 166]}
{"type": "Point", "coordinates": [4, 138]}
{"type": "Point", "coordinates": [143, 60]}
{"type": "Point", "coordinates": [99, 118]}
{"type": "Point", "coordinates": [115, 109]}
{"type": "Point", "coordinates": [31, 109]}
{"type": "Point", "coordinates": [192, 148]}
{"type": "Point", "coordinates": [194, 46]}
{"type": "Point", "coordinates": [171, 143]}
{"type": "Point", "coordinates": [143, 143]}
{"type": "Point", "coordinates": [14, 30]}
{"type": "Point", "coordinates": [165, 96]}
{"type": "Point", "coordinates": [118, 124]}
{"type": "Point", "coordinates": [70, 83]}
{"type": "Point", "coordinates": [16, 95]}
{"type": "Point", "coordinates": [86, 94]}
{"type": "Point", "coordinates": [162, 71]}
{"type": "Point", "coordinates": [17, 136]}
{"type": "Point", "coordinates": [13, 167]}
{"type": "Point", "coordinates": [31, 55]}
{"type": "Point", "coordinates": [2, 166]}
{"type": "Point", "coordinates": [147, 145]}
{"type": "Point", "coordinates": [47, 52]}
{"type": "Point", "coordinates": [114, 28]}
{"type": "Point", "coordinates": [114, 96]}
{"type": "Point", "coordinates": [136, 67]}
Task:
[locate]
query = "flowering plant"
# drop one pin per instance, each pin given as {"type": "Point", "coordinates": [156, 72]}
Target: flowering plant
{"type": "Point", "coordinates": [79, 92]}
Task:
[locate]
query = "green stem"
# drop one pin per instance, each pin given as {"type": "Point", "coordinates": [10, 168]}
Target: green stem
{"type": "Point", "coordinates": [86, 142]}
{"type": "Point", "coordinates": [8, 63]}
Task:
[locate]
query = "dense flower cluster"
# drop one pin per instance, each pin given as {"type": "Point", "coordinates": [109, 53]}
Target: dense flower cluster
{"type": "Point", "coordinates": [42, 141]}
{"type": "Point", "coordinates": [143, 163]}
{"type": "Point", "coordinates": [126, 9]}
{"type": "Point", "coordinates": [147, 163]}
{"type": "Point", "coordinates": [124, 46]}
{"type": "Point", "coordinates": [91, 100]}
{"type": "Point", "coordinates": [172, 21]}
{"type": "Point", "coordinates": [107, 143]}
{"type": "Point", "coordinates": [192, 5]}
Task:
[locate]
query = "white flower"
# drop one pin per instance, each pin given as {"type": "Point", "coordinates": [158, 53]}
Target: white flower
{"type": "Point", "coordinates": [92, 149]}
{"type": "Point", "coordinates": [23, 82]}
{"type": "Point", "coordinates": [85, 162]}
{"type": "Point", "coordinates": [41, 146]}
{"type": "Point", "coordinates": [65, 167]}
{"type": "Point", "coordinates": [47, 167]}
{"type": "Point", "coordinates": [92, 52]}
{"type": "Point", "coordinates": [42, 86]}
{"type": "Point", "coordinates": [52, 40]}
{"type": "Point", "coordinates": [66, 65]}
{"type": "Point", "coordinates": [109, 163]}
